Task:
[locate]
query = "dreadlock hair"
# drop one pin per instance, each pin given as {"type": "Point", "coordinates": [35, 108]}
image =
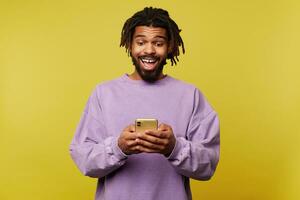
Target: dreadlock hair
{"type": "Point", "coordinates": [155, 17]}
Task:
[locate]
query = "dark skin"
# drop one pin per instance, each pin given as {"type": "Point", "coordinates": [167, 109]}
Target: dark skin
{"type": "Point", "coordinates": [160, 141]}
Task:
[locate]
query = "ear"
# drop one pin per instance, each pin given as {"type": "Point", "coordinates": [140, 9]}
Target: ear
{"type": "Point", "coordinates": [170, 48]}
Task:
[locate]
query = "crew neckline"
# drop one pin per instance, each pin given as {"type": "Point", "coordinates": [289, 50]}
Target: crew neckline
{"type": "Point", "coordinates": [127, 79]}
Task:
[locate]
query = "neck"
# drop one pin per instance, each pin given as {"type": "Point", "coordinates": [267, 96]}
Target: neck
{"type": "Point", "coordinates": [135, 76]}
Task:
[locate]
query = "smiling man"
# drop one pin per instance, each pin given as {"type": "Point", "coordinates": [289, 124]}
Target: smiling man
{"type": "Point", "coordinates": [154, 164]}
{"type": "Point", "coordinates": [149, 51]}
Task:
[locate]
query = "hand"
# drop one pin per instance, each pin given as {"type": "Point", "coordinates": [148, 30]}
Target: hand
{"type": "Point", "coordinates": [127, 141]}
{"type": "Point", "coordinates": [161, 140]}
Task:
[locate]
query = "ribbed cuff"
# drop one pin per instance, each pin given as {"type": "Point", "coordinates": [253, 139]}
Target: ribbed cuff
{"type": "Point", "coordinates": [116, 150]}
{"type": "Point", "coordinates": [176, 150]}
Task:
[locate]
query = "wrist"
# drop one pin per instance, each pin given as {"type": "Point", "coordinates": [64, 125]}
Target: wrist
{"type": "Point", "coordinates": [170, 148]}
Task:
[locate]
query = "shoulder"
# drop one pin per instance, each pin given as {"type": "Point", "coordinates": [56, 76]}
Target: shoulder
{"type": "Point", "coordinates": [104, 87]}
{"type": "Point", "coordinates": [108, 83]}
{"type": "Point", "coordinates": [192, 92]}
{"type": "Point", "coordinates": [185, 86]}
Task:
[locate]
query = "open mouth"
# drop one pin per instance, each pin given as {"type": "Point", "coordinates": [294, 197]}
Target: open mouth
{"type": "Point", "coordinates": [149, 63]}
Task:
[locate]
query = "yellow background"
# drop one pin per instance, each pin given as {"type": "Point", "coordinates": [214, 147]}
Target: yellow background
{"type": "Point", "coordinates": [243, 55]}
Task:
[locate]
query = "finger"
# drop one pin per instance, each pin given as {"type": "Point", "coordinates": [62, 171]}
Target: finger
{"type": "Point", "coordinates": [129, 135]}
{"type": "Point", "coordinates": [130, 128]}
{"type": "Point", "coordinates": [159, 134]}
{"type": "Point", "coordinates": [131, 143]}
{"type": "Point", "coordinates": [135, 150]}
{"type": "Point", "coordinates": [145, 149]}
{"type": "Point", "coordinates": [163, 127]}
{"type": "Point", "coordinates": [150, 145]}
{"type": "Point", "coordinates": [152, 139]}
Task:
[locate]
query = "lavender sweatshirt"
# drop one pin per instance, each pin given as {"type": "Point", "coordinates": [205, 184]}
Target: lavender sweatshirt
{"type": "Point", "coordinates": [115, 104]}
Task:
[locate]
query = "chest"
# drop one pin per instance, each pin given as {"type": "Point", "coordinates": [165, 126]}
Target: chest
{"type": "Point", "coordinates": [122, 108]}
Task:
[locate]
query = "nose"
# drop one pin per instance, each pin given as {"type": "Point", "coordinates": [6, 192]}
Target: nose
{"type": "Point", "coordinates": [149, 49]}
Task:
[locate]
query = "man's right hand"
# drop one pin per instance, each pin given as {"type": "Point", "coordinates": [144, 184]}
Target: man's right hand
{"type": "Point", "coordinates": [127, 141]}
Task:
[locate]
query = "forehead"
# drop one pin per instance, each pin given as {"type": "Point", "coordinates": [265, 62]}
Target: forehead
{"type": "Point", "coordinates": [149, 32]}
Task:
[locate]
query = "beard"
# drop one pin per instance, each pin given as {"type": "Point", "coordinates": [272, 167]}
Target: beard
{"type": "Point", "coordinates": [146, 75]}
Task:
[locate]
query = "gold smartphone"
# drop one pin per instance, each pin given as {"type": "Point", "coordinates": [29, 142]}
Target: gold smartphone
{"type": "Point", "coordinates": [145, 124]}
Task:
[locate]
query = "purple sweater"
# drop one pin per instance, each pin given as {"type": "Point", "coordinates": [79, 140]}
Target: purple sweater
{"type": "Point", "coordinates": [115, 104]}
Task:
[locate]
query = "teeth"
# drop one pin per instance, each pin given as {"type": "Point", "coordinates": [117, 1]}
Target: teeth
{"type": "Point", "coordinates": [149, 60]}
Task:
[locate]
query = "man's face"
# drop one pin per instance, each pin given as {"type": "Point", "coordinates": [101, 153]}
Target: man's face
{"type": "Point", "coordinates": [149, 49]}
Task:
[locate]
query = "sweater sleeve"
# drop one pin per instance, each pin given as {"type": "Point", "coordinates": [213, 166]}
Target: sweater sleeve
{"type": "Point", "coordinates": [197, 155]}
{"type": "Point", "coordinates": [94, 152]}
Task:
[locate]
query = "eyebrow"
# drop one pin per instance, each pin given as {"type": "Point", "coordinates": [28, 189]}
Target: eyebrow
{"type": "Point", "coordinates": [159, 36]}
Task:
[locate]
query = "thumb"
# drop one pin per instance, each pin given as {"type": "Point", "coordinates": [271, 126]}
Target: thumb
{"type": "Point", "coordinates": [130, 128]}
{"type": "Point", "coordinates": [163, 127]}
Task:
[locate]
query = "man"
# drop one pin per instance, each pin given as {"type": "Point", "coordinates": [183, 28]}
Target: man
{"type": "Point", "coordinates": [154, 164]}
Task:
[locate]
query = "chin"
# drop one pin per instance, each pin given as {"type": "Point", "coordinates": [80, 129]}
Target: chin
{"type": "Point", "coordinates": [149, 75]}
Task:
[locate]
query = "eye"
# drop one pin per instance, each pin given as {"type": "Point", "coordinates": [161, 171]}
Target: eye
{"type": "Point", "coordinates": [159, 44]}
{"type": "Point", "coordinates": [139, 43]}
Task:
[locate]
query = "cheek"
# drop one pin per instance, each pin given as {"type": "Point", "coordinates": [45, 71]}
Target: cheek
{"type": "Point", "coordinates": [136, 49]}
{"type": "Point", "coordinates": [135, 53]}
{"type": "Point", "coordinates": [162, 52]}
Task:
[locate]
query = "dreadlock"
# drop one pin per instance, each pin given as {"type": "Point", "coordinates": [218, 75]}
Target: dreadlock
{"type": "Point", "coordinates": [155, 17]}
